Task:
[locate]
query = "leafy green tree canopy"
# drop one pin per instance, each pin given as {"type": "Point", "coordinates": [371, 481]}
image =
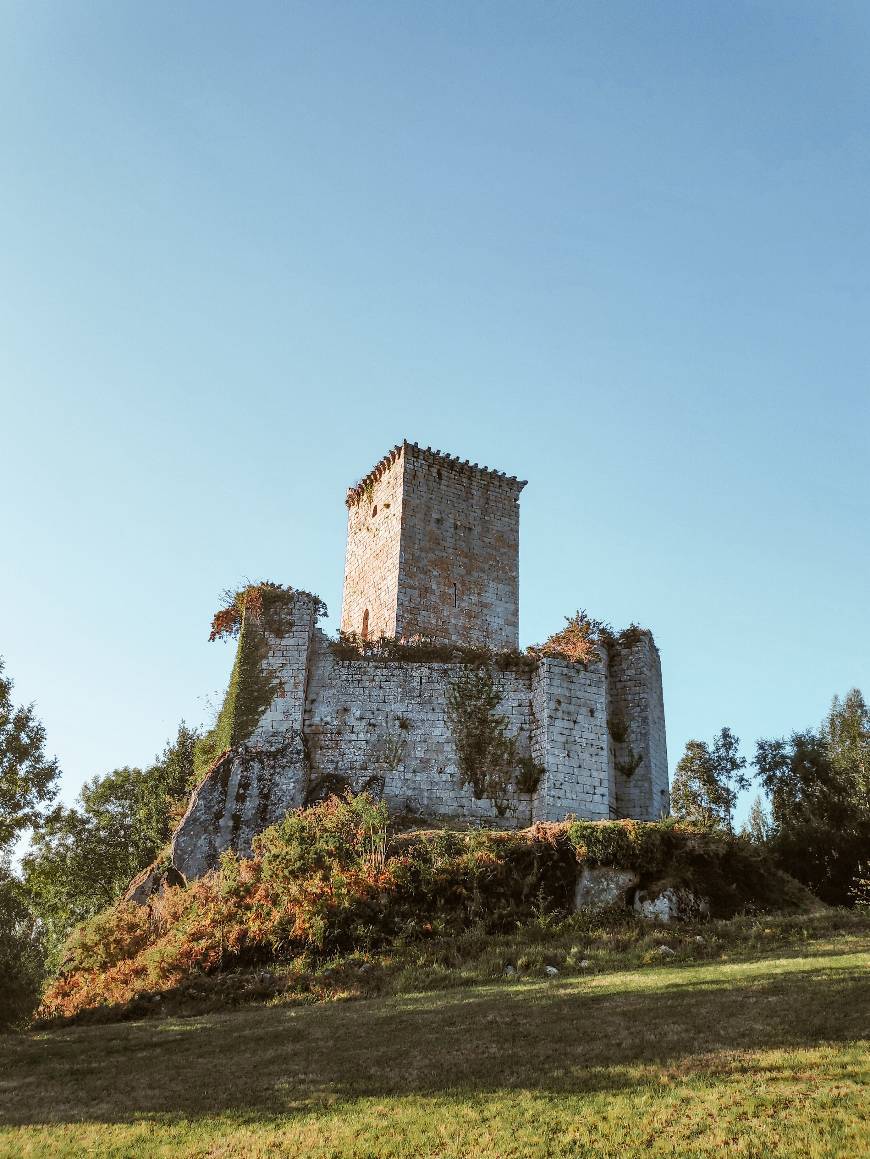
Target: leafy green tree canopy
{"type": "Point", "coordinates": [83, 858]}
{"type": "Point", "coordinates": [21, 952]}
{"type": "Point", "coordinates": [28, 780]}
{"type": "Point", "coordinates": [757, 824]}
{"type": "Point", "coordinates": [707, 780]}
{"type": "Point", "coordinates": [817, 784]}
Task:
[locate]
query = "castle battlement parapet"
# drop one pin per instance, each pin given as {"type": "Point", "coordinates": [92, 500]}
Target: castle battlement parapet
{"type": "Point", "coordinates": [434, 458]}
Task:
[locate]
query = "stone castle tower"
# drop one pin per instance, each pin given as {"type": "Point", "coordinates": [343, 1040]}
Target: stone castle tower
{"type": "Point", "coordinates": [433, 550]}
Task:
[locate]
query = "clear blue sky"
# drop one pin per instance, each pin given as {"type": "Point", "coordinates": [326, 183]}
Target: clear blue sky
{"type": "Point", "coordinates": [619, 249]}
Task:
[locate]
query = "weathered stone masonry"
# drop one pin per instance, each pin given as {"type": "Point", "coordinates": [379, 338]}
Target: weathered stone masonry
{"type": "Point", "coordinates": [432, 550]}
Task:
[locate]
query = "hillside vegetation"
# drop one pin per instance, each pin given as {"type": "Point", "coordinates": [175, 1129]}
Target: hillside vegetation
{"type": "Point", "coordinates": [332, 883]}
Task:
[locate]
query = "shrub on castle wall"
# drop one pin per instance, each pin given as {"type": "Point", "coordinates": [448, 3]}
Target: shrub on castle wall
{"type": "Point", "coordinates": [583, 639]}
{"type": "Point", "coordinates": [579, 642]}
{"type": "Point", "coordinates": [425, 649]}
{"type": "Point", "coordinates": [264, 603]}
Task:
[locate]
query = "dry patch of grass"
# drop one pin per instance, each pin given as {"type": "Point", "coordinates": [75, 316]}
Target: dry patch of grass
{"type": "Point", "coordinates": [764, 1057]}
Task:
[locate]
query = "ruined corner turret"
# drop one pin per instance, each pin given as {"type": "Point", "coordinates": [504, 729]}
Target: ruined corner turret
{"type": "Point", "coordinates": [262, 771]}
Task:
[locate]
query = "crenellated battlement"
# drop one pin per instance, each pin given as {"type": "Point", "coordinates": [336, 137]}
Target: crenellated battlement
{"type": "Point", "coordinates": [435, 458]}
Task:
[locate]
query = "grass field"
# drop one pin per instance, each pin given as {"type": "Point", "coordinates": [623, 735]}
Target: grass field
{"type": "Point", "coordinates": [766, 1056]}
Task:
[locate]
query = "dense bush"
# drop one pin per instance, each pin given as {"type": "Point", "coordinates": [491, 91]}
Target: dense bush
{"type": "Point", "coordinates": [330, 879]}
{"type": "Point", "coordinates": [640, 845]}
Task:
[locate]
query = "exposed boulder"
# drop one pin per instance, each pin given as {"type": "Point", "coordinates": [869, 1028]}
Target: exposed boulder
{"type": "Point", "coordinates": [151, 880]}
{"type": "Point", "coordinates": [247, 789]}
{"type": "Point", "coordinates": [664, 902]}
{"type": "Point", "coordinates": [602, 886]}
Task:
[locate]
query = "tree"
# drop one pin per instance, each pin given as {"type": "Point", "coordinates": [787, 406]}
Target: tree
{"type": "Point", "coordinates": [707, 780]}
{"type": "Point", "coordinates": [757, 824]}
{"type": "Point", "coordinates": [801, 781]}
{"type": "Point", "coordinates": [28, 780]}
{"type": "Point", "coordinates": [820, 807]}
{"type": "Point", "coordinates": [21, 953]}
{"type": "Point", "coordinates": [167, 787]}
{"type": "Point", "coordinates": [694, 792]}
{"type": "Point", "coordinates": [83, 858]}
{"type": "Point", "coordinates": [847, 729]}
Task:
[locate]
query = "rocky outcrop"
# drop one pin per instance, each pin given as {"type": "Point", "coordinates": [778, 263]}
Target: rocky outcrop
{"type": "Point", "coordinates": [160, 875]}
{"type": "Point", "coordinates": [247, 789]}
{"type": "Point", "coordinates": [667, 903]}
{"type": "Point", "coordinates": [603, 886]}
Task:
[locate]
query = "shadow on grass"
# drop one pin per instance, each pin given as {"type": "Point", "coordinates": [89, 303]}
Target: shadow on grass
{"type": "Point", "coordinates": [570, 1037]}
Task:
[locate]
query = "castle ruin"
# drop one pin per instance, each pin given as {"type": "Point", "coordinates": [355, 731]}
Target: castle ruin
{"type": "Point", "coordinates": [433, 556]}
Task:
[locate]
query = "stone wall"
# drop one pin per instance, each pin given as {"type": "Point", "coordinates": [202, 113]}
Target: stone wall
{"type": "Point", "coordinates": [327, 722]}
{"type": "Point", "coordinates": [385, 724]}
{"type": "Point", "coordinates": [569, 705]}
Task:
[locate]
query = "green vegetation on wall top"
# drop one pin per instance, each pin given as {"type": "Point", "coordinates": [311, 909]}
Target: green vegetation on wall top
{"type": "Point", "coordinates": [252, 614]}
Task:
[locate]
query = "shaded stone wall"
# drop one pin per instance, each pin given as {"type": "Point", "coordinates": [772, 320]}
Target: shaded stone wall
{"type": "Point", "coordinates": [636, 706]}
{"type": "Point", "coordinates": [385, 724]}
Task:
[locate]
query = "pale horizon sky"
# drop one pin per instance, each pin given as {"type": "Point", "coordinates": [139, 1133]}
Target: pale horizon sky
{"type": "Point", "coordinates": [620, 250]}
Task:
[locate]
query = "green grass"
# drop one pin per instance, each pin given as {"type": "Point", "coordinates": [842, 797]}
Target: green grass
{"type": "Point", "coordinates": [765, 1056]}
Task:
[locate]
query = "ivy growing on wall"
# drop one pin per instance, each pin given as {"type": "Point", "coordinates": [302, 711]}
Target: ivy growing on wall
{"type": "Point", "coordinates": [631, 764]}
{"type": "Point", "coordinates": [487, 756]}
{"type": "Point", "coordinates": [618, 729]}
{"type": "Point", "coordinates": [251, 614]}
{"type": "Point", "coordinates": [529, 775]}
{"type": "Point", "coordinates": [619, 732]}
